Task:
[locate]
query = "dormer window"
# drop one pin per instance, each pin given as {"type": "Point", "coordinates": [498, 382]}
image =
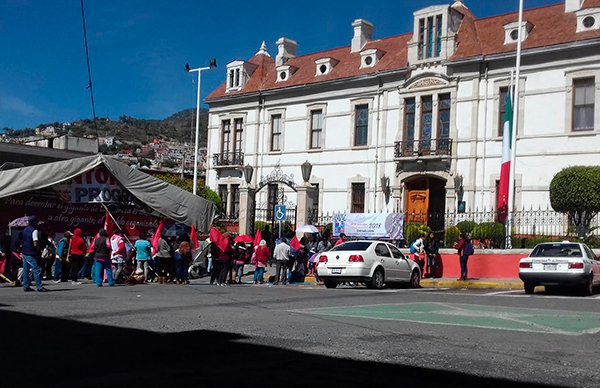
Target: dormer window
{"type": "Point", "coordinates": [369, 58]}
{"type": "Point", "coordinates": [285, 72]}
{"type": "Point", "coordinates": [325, 65]}
{"type": "Point", "coordinates": [430, 37]}
{"type": "Point", "coordinates": [238, 73]}
{"type": "Point", "coordinates": [588, 19]}
{"type": "Point", "coordinates": [511, 32]}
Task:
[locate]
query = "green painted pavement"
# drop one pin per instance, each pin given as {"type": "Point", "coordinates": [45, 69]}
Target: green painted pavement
{"type": "Point", "coordinates": [490, 317]}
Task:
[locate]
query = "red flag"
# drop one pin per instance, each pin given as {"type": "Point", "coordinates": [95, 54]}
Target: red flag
{"type": "Point", "coordinates": [217, 238]}
{"type": "Point", "coordinates": [194, 237]}
{"type": "Point", "coordinates": [257, 239]}
{"type": "Point", "coordinates": [156, 237]}
{"type": "Point", "coordinates": [295, 243]}
{"type": "Point", "coordinates": [108, 224]}
{"type": "Point", "coordinates": [3, 264]}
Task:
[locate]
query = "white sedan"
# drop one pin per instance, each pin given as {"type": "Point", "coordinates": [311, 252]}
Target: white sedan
{"type": "Point", "coordinates": [562, 264]}
{"type": "Point", "coordinates": [372, 262]}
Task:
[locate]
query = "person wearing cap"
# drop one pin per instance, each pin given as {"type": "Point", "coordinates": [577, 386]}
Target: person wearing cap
{"type": "Point", "coordinates": [61, 264]}
{"type": "Point", "coordinates": [30, 253]}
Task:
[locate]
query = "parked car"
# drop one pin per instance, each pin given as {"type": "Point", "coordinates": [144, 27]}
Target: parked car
{"type": "Point", "coordinates": [372, 262]}
{"type": "Point", "coordinates": [562, 264]}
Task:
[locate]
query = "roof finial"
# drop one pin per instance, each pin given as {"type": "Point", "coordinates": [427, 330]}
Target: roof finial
{"type": "Point", "coordinates": [458, 3]}
{"type": "Point", "coordinates": [263, 50]}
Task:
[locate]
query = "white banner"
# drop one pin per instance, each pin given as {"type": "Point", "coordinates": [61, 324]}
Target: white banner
{"type": "Point", "coordinates": [94, 186]}
{"type": "Point", "coordinates": [369, 225]}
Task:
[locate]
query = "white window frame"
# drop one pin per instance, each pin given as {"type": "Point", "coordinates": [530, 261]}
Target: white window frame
{"type": "Point", "coordinates": [570, 95]}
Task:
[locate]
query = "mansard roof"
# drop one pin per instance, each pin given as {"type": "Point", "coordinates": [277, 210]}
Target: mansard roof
{"type": "Point", "coordinates": [476, 38]}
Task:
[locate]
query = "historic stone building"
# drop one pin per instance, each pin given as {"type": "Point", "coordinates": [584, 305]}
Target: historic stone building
{"type": "Point", "coordinates": [410, 122]}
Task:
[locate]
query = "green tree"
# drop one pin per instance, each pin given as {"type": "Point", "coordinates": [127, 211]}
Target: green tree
{"type": "Point", "coordinates": [187, 184]}
{"type": "Point", "coordinates": [170, 163]}
{"type": "Point", "coordinates": [576, 192]}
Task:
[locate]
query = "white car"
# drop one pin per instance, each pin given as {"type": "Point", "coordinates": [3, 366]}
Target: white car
{"type": "Point", "coordinates": [372, 262]}
{"type": "Point", "coordinates": [561, 264]}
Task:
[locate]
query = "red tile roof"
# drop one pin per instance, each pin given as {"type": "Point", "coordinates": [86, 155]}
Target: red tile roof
{"type": "Point", "coordinates": [265, 76]}
{"type": "Point", "coordinates": [551, 26]}
{"type": "Point", "coordinates": [476, 37]}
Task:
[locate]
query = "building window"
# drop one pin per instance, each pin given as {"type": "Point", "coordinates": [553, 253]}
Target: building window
{"type": "Point", "coordinates": [223, 195]}
{"type": "Point", "coordinates": [409, 123]}
{"type": "Point", "coordinates": [225, 139]}
{"type": "Point", "coordinates": [426, 121]}
{"type": "Point", "coordinates": [583, 104]}
{"type": "Point", "coordinates": [430, 37]}
{"type": "Point", "coordinates": [239, 132]}
{"type": "Point", "coordinates": [276, 133]}
{"type": "Point", "coordinates": [358, 198]}
{"type": "Point", "coordinates": [315, 196]}
{"type": "Point", "coordinates": [231, 77]}
{"type": "Point", "coordinates": [316, 128]}
{"type": "Point", "coordinates": [237, 77]}
{"type": "Point", "coordinates": [234, 210]}
{"type": "Point", "coordinates": [444, 116]}
{"type": "Point", "coordinates": [362, 125]}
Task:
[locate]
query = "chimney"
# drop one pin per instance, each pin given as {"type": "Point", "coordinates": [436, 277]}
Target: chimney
{"type": "Point", "coordinates": [286, 50]}
{"type": "Point", "coordinates": [363, 33]}
{"type": "Point", "coordinates": [573, 5]}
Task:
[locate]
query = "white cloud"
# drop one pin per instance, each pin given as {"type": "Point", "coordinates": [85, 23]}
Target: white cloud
{"type": "Point", "coordinates": [17, 105]}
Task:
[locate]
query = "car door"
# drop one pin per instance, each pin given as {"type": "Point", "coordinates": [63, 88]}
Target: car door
{"type": "Point", "coordinates": [594, 262]}
{"type": "Point", "coordinates": [403, 270]}
{"type": "Point", "coordinates": [384, 256]}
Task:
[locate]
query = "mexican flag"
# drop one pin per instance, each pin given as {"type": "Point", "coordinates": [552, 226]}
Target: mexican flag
{"type": "Point", "coordinates": [507, 134]}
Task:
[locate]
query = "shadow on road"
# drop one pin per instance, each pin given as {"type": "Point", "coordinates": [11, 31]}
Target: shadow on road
{"type": "Point", "coordinates": [52, 352]}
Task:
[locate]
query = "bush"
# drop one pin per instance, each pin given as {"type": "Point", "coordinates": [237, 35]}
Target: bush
{"type": "Point", "coordinates": [452, 235]}
{"type": "Point", "coordinates": [466, 226]}
{"type": "Point", "coordinates": [576, 191]}
{"type": "Point", "coordinates": [413, 230]}
{"type": "Point", "coordinates": [532, 242]}
{"type": "Point", "coordinates": [492, 231]}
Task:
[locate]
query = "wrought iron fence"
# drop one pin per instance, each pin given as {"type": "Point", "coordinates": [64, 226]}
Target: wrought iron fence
{"type": "Point", "coordinates": [228, 159]}
{"type": "Point", "coordinates": [529, 226]}
{"type": "Point", "coordinates": [423, 147]}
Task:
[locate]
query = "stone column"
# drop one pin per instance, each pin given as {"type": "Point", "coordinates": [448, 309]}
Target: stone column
{"type": "Point", "coordinates": [305, 203]}
{"type": "Point", "coordinates": [246, 216]}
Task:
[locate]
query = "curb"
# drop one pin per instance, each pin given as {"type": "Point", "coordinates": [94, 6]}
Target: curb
{"type": "Point", "coordinates": [457, 284]}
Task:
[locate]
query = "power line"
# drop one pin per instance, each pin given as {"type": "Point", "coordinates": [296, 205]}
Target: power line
{"type": "Point", "coordinates": [87, 58]}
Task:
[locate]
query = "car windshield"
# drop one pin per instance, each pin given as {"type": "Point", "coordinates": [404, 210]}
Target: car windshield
{"type": "Point", "coordinates": [352, 246]}
{"type": "Point", "coordinates": [556, 250]}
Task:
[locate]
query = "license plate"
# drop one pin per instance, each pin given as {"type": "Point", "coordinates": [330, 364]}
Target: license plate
{"type": "Point", "coordinates": [549, 267]}
{"type": "Point", "coordinates": [336, 270]}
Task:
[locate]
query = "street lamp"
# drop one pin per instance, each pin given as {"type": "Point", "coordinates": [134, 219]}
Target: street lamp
{"type": "Point", "coordinates": [248, 171]}
{"type": "Point", "coordinates": [212, 65]}
{"type": "Point", "coordinates": [306, 168]}
{"type": "Point", "coordinates": [385, 187]}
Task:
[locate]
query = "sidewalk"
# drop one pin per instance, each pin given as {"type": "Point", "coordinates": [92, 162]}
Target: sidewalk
{"type": "Point", "coordinates": [499, 284]}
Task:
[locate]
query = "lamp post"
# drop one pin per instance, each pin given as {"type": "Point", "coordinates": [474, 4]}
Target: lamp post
{"type": "Point", "coordinates": [306, 168]}
{"type": "Point", "coordinates": [212, 65]}
{"type": "Point", "coordinates": [248, 171]}
{"type": "Point", "coordinates": [385, 188]}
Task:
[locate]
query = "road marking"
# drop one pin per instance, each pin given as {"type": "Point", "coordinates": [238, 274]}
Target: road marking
{"type": "Point", "coordinates": [488, 317]}
{"type": "Point", "coordinates": [502, 292]}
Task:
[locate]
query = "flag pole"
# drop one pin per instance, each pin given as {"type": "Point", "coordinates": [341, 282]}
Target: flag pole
{"type": "Point", "coordinates": [116, 223]}
{"type": "Point", "coordinates": [511, 182]}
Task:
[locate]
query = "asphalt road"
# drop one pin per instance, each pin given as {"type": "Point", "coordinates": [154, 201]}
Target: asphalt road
{"type": "Point", "coordinates": [291, 336]}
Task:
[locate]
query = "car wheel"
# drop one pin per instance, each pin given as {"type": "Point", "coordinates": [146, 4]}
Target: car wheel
{"type": "Point", "coordinates": [588, 287]}
{"type": "Point", "coordinates": [330, 283]}
{"type": "Point", "coordinates": [415, 280]}
{"type": "Point", "coordinates": [377, 281]}
{"type": "Point", "coordinates": [529, 288]}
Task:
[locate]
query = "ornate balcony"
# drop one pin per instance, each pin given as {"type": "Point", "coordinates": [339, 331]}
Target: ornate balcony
{"type": "Point", "coordinates": [422, 148]}
{"type": "Point", "coordinates": [228, 159]}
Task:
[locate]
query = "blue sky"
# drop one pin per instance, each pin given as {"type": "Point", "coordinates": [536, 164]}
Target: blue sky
{"type": "Point", "coordinates": [138, 48]}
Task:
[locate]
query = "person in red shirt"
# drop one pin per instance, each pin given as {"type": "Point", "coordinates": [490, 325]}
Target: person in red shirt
{"type": "Point", "coordinates": [78, 250]}
{"type": "Point", "coordinates": [225, 260]}
{"type": "Point", "coordinates": [341, 240]}
{"type": "Point", "coordinates": [262, 257]}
